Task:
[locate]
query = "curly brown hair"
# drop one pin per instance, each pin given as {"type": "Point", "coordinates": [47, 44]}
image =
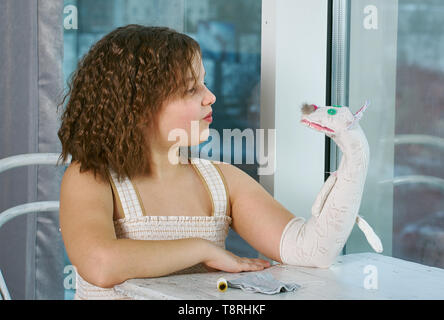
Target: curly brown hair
{"type": "Point", "coordinates": [116, 94]}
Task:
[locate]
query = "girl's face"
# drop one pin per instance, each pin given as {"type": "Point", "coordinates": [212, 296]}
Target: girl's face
{"type": "Point", "coordinates": [184, 117]}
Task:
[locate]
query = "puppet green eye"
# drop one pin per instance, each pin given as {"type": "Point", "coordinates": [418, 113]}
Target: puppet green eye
{"type": "Point", "coordinates": [337, 106]}
{"type": "Point", "coordinates": [331, 111]}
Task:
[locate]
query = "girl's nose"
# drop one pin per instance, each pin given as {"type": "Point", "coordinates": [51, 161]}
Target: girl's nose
{"type": "Point", "coordinates": [210, 98]}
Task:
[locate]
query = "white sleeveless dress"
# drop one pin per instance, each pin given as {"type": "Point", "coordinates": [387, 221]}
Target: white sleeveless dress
{"type": "Point", "coordinates": [137, 225]}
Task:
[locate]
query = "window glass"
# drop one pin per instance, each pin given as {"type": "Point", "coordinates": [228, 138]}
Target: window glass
{"type": "Point", "coordinates": [397, 61]}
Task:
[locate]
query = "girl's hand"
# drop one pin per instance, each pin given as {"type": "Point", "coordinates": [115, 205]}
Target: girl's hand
{"type": "Point", "coordinates": [223, 260]}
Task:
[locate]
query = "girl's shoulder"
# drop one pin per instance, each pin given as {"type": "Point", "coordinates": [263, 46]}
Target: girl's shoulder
{"type": "Point", "coordinates": [83, 187]}
{"type": "Point", "coordinates": [230, 174]}
{"type": "Point", "coordinates": [237, 180]}
{"type": "Point", "coordinates": [87, 179]}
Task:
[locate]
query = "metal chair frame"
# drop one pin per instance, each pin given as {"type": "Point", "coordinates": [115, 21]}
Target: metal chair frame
{"type": "Point", "coordinates": [31, 207]}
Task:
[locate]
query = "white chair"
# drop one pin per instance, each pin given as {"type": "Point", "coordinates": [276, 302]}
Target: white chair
{"type": "Point", "coordinates": [421, 139]}
{"type": "Point", "coordinates": [32, 207]}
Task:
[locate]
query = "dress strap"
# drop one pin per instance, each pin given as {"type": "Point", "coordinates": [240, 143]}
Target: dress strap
{"type": "Point", "coordinates": [127, 196]}
{"type": "Point", "coordinates": [216, 184]}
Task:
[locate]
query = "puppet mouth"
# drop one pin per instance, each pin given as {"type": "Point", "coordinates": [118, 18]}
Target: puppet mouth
{"type": "Point", "coordinates": [316, 126]}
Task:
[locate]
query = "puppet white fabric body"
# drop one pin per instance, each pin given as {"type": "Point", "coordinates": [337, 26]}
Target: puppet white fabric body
{"type": "Point", "coordinates": [318, 241]}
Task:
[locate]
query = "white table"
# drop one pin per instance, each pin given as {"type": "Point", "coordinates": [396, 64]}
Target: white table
{"type": "Point", "coordinates": [355, 276]}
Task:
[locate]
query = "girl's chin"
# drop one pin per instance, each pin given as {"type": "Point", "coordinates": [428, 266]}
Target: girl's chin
{"type": "Point", "coordinates": [205, 134]}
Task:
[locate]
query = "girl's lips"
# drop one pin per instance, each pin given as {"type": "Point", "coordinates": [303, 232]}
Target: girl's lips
{"type": "Point", "coordinates": [209, 117]}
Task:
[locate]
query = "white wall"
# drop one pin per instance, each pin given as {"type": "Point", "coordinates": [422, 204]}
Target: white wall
{"type": "Point", "coordinates": [294, 55]}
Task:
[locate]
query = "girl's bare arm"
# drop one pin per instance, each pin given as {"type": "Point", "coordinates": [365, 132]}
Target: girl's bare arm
{"type": "Point", "coordinates": [257, 217]}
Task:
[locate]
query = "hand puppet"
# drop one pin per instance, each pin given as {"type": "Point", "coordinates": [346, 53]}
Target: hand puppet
{"type": "Point", "coordinates": [318, 241]}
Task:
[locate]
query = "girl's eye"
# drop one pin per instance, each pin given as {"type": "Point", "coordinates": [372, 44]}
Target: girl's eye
{"type": "Point", "coordinates": [192, 90]}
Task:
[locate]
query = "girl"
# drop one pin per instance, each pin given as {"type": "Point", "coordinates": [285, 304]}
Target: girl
{"type": "Point", "coordinates": [130, 206]}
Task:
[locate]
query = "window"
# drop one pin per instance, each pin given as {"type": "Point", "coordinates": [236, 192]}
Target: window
{"type": "Point", "coordinates": [396, 60]}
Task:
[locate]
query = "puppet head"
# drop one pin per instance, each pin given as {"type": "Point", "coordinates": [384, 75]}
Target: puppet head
{"type": "Point", "coordinates": [331, 120]}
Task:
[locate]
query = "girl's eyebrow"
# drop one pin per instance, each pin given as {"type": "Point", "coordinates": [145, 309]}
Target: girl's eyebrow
{"type": "Point", "coordinates": [191, 78]}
